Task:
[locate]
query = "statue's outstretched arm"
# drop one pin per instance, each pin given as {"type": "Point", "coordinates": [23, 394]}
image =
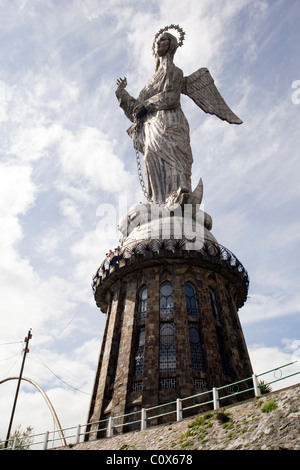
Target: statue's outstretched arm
{"type": "Point", "coordinates": [126, 102]}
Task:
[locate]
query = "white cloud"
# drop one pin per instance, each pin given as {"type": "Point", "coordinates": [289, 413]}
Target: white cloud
{"type": "Point", "coordinates": [262, 307]}
{"type": "Point", "coordinates": [17, 195]}
{"type": "Point", "coordinates": [48, 246]}
{"type": "Point", "coordinates": [71, 211]}
{"type": "Point", "coordinates": [276, 281]}
{"type": "Point", "coordinates": [37, 98]}
{"type": "Point", "coordinates": [282, 358]}
{"type": "Point", "coordinates": [232, 226]}
{"type": "Point", "coordinates": [284, 235]}
{"type": "Point", "coordinates": [89, 252]}
{"type": "Point", "coordinates": [91, 8]}
{"type": "Point", "coordinates": [32, 142]}
{"type": "Point", "coordinates": [87, 157]}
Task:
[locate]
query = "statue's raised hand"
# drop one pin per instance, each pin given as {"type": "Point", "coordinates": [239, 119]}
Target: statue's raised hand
{"type": "Point", "coordinates": [122, 83]}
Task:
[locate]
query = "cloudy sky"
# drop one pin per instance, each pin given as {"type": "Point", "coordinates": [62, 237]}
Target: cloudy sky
{"type": "Point", "coordinates": [66, 160]}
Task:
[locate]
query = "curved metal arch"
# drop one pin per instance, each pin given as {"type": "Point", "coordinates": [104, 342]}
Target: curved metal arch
{"type": "Point", "coordinates": [48, 402]}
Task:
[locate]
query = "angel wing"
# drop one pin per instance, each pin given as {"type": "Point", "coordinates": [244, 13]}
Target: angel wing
{"type": "Point", "coordinates": [200, 87]}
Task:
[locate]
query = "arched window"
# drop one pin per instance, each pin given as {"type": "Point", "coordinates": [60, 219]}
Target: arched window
{"type": "Point", "coordinates": [166, 300]}
{"type": "Point", "coordinates": [223, 352]}
{"type": "Point", "coordinates": [197, 356]}
{"type": "Point", "coordinates": [213, 303]}
{"type": "Point", "coordinates": [121, 309]}
{"type": "Point", "coordinates": [190, 300]}
{"type": "Point", "coordinates": [167, 353]}
{"type": "Point", "coordinates": [138, 367]}
{"type": "Point", "coordinates": [142, 303]}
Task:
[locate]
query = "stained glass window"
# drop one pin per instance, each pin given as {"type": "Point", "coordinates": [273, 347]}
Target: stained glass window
{"type": "Point", "coordinates": [138, 368]}
{"type": "Point", "coordinates": [121, 308]}
{"type": "Point", "coordinates": [190, 300]}
{"type": "Point", "coordinates": [166, 300]}
{"type": "Point", "coordinates": [223, 352]}
{"type": "Point", "coordinates": [196, 347]}
{"type": "Point", "coordinates": [167, 352]}
{"type": "Point", "coordinates": [213, 303]}
{"type": "Point", "coordinates": [142, 303]}
{"type": "Point", "coordinates": [116, 361]}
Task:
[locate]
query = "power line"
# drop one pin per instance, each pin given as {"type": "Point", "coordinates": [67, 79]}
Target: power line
{"type": "Point", "coordinates": [11, 357]}
{"type": "Point", "coordinates": [12, 342]}
{"type": "Point", "coordinates": [59, 365]}
{"type": "Point", "coordinates": [13, 364]}
{"type": "Point", "coordinates": [60, 332]}
{"type": "Point", "coordinates": [67, 325]}
{"type": "Point", "coordinates": [59, 378]}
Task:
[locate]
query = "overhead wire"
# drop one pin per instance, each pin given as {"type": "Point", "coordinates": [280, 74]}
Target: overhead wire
{"type": "Point", "coordinates": [87, 297]}
{"type": "Point", "coordinates": [46, 343]}
{"type": "Point", "coordinates": [62, 367]}
{"type": "Point", "coordinates": [60, 332]}
{"type": "Point", "coordinates": [19, 354]}
{"type": "Point", "coordinates": [43, 344]}
{"type": "Point", "coordinates": [10, 357]}
{"type": "Point", "coordinates": [67, 324]}
{"type": "Point", "coordinates": [59, 378]}
{"type": "Point", "coordinates": [11, 342]}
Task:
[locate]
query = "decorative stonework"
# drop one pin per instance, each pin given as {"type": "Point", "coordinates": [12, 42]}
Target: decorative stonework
{"type": "Point", "coordinates": [212, 255]}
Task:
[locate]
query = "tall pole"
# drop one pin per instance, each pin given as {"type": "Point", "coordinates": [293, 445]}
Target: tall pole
{"type": "Point", "coordinates": [26, 350]}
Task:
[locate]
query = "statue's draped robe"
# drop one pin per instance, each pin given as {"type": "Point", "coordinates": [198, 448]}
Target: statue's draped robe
{"type": "Point", "coordinates": [162, 135]}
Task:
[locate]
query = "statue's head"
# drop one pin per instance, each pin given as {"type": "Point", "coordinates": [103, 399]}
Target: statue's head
{"type": "Point", "coordinates": [166, 44]}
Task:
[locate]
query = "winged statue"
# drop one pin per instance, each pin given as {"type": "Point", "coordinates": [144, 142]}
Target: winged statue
{"type": "Point", "coordinates": [160, 130]}
{"type": "Point", "coordinates": [201, 88]}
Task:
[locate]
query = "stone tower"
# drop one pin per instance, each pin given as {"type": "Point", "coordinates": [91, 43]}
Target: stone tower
{"type": "Point", "coordinates": [172, 327]}
{"type": "Point", "coordinates": [171, 294]}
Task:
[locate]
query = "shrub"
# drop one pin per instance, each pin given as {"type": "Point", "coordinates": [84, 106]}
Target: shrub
{"type": "Point", "coordinates": [264, 388]}
{"type": "Point", "coordinates": [269, 406]}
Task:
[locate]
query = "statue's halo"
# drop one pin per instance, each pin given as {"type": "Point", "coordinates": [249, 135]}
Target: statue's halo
{"type": "Point", "coordinates": [166, 28]}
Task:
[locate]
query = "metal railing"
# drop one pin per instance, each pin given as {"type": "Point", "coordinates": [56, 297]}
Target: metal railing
{"type": "Point", "coordinates": [208, 398]}
{"type": "Point", "coordinates": [213, 251]}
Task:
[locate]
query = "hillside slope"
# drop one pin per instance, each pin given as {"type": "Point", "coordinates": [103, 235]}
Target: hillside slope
{"type": "Point", "coordinates": [271, 422]}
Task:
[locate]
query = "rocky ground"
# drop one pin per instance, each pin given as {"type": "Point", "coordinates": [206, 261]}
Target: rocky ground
{"type": "Point", "coordinates": [271, 422]}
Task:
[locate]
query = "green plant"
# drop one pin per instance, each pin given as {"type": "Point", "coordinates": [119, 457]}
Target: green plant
{"type": "Point", "coordinates": [264, 388]}
{"type": "Point", "coordinates": [269, 406]}
{"type": "Point", "coordinates": [197, 429]}
{"type": "Point", "coordinates": [185, 444]}
{"type": "Point", "coordinates": [227, 425]}
{"type": "Point", "coordinates": [126, 447]}
{"type": "Point", "coordinates": [199, 424]}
